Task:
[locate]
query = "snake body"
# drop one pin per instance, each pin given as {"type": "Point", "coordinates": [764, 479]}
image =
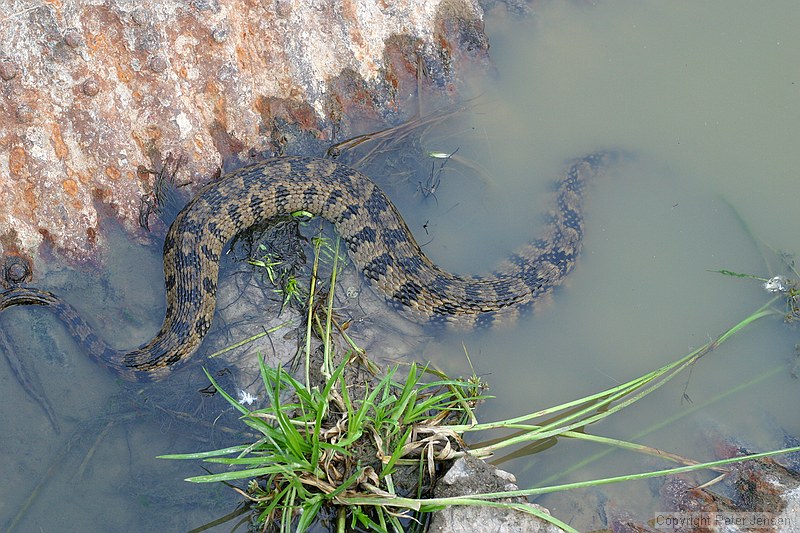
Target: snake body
{"type": "Point", "coordinates": [377, 239]}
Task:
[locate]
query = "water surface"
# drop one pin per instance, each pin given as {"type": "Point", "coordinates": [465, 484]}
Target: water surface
{"type": "Point", "coordinates": [706, 95]}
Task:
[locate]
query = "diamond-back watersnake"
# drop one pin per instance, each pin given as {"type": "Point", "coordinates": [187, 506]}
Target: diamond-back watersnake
{"type": "Point", "coordinates": [377, 239]}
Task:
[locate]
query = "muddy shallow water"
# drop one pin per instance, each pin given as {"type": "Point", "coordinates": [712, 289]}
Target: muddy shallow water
{"type": "Point", "coordinates": [707, 96]}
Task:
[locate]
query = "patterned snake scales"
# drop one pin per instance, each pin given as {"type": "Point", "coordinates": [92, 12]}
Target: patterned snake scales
{"type": "Point", "coordinates": [377, 239]}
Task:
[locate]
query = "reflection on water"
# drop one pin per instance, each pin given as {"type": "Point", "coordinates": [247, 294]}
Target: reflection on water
{"type": "Point", "coordinates": [705, 94]}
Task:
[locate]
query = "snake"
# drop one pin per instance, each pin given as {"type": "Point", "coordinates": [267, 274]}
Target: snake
{"type": "Point", "coordinates": [376, 237]}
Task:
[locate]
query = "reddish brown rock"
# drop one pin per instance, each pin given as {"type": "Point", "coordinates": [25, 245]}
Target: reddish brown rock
{"type": "Point", "coordinates": [93, 92]}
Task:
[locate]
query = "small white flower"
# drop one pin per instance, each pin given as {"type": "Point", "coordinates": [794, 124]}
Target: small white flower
{"type": "Point", "coordinates": [777, 284]}
{"type": "Point", "coordinates": [245, 398]}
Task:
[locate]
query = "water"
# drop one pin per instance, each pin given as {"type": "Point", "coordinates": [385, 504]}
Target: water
{"type": "Point", "coordinates": [706, 94]}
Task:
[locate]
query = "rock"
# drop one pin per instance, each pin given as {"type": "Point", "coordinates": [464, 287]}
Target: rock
{"type": "Point", "coordinates": [789, 519]}
{"type": "Point", "coordinates": [93, 95]}
{"type": "Point", "coordinates": [470, 475]}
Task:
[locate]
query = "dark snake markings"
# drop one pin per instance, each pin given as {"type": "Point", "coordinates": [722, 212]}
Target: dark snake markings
{"type": "Point", "coordinates": [377, 239]}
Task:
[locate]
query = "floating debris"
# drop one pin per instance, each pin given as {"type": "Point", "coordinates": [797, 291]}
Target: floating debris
{"type": "Point", "coordinates": [777, 284]}
{"type": "Point", "coordinates": [245, 398]}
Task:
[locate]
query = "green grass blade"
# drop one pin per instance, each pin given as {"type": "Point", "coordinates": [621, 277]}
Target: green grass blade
{"type": "Point", "coordinates": [204, 455]}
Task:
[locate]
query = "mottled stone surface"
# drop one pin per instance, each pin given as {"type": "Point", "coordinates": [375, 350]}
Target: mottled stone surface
{"type": "Point", "coordinates": [94, 94]}
{"type": "Point", "coordinates": [470, 475]}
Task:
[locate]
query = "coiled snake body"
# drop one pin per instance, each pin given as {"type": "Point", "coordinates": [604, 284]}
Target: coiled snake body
{"type": "Point", "coordinates": [377, 239]}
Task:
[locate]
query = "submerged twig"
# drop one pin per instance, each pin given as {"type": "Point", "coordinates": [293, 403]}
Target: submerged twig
{"type": "Point", "coordinates": [57, 463]}
{"type": "Point", "coordinates": [29, 385]}
{"type": "Point", "coordinates": [385, 138]}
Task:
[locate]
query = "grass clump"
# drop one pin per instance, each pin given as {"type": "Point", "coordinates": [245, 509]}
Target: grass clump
{"type": "Point", "coordinates": [321, 448]}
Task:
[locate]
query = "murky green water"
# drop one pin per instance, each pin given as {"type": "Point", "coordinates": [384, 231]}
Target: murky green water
{"type": "Point", "coordinates": [707, 95]}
